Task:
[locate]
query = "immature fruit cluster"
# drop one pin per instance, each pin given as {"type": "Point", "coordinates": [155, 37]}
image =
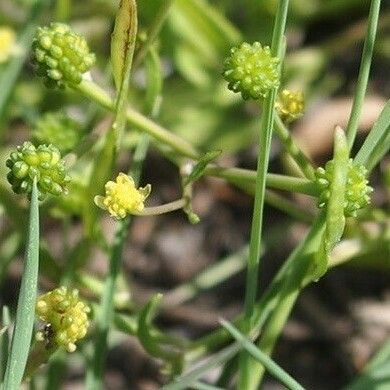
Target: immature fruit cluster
{"type": "Point", "coordinates": [357, 191]}
{"type": "Point", "coordinates": [251, 70]}
{"type": "Point", "coordinates": [122, 197]}
{"type": "Point", "coordinates": [58, 129]}
{"type": "Point", "coordinates": [65, 317]}
{"type": "Point", "coordinates": [43, 163]}
{"type": "Point", "coordinates": [62, 55]}
{"type": "Point", "coordinates": [290, 105]}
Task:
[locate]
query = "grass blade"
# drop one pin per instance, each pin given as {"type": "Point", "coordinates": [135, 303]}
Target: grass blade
{"type": "Point", "coordinates": [265, 360]}
{"type": "Point", "coordinates": [24, 322]}
{"type": "Point", "coordinates": [4, 341]}
{"type": "Point", "coordinates": [185, 381]}
{"type": "Point", "coordinates": [377, 142]}
{"type": "Point", "coordinates": [364, 72]}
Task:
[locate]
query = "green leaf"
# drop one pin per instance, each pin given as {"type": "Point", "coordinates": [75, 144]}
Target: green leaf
{"type": "Point", "coordinates": [335, 219]}
{"type": "Point", "coordinates": [123, 41]}
{"type": "Point", "coordinates": [198, 170]}
{"type": "Point", "coordinates": [274, 369]}
{"type": "Point", "coordinates": [154, 81]}
{"type": "Point", "coordinates": [376, 375]}
{"type": "Point", "coordinates": [4, 341]}
{"type": "Point", "coordinates": [185, 381]}
{"type": "Point", "coordinates": [25, 314]}
{"type": "Point", "coordinates": [377, 143]}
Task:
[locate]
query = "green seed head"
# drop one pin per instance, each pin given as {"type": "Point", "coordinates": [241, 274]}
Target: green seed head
{"type": "Point", "coordinates": [62, 55]}
{"type": "Point", "coordinates": [357, 191]}
{"type": "Point", "coordinates": [43, 163]}
{"type": "Point", "coordinates": [65, 315]}
{"type": "Point", "coordinates": [251, 70]}
{"type": "Point", "coordinates": [58, 129]}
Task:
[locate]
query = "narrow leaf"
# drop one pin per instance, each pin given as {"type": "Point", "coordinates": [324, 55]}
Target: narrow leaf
{"type": "Point", "coordinates": [198, 170]}
{"type": "Point", "coordinates": [185, 381]}
{"type": "Point", "coordinates": [274, 369]}
{"type": "Point", "coordinates": [21, 338]}
{"type": "Point", "coordinates": [379, 137]}
{"type": "Point", "coordinates": [123, 40]}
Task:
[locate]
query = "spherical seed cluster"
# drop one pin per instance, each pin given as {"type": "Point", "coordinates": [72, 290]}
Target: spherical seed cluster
{"type": "Point", "coordinates": [43, 163]}
{"type": "Point", "coordinates": [290, 105]}
{"type": "Point", "coordinates": [251, 70]}
{"type": "Point", "coordinates": [58, 129]}
{"type": "Point", "coordinates": [65, 315]}
{"type": "Point", "coordinates": [61, 54]}
{"type": "Point", "coordinates": [7, 43]}
{"type": "Point", "coordinates": [357, 193]}
{"type": "Point", "coordinates": [122, 198]}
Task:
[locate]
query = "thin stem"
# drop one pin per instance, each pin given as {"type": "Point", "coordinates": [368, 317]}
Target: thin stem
{"type": "Point", "coordinates": [25, 313]}
{"type": "Point", "coordinates": [270, 298]}
{"type": "Point", "coordinates": [263, 358]}
{"type": "Point", "coordinates": [275, 181]}
{"type": "Point", "coordinates": [164, 208]}
{"type": "Point", "coordinates": [154, 30]}
{"type": "Point", "coordinates": [293, 149]}
{"type": "Point", "coordinates": [97, 94]}
{"type": "Point", "coordinates": [106, 312]}
{"type": "Point", "coordinates": [257, 217]}
{"type": "Point", "coordinates": [289, 207]}
{"type": "Point", "coordinates": [212, 276]}
{"type": "Point", "coordinates": [364, 72]}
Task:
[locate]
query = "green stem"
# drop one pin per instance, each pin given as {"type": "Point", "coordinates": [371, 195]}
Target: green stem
{"type": "Point", "coordinates": [293, 149]}
{"type": "Point", "coordinates": [154, 30]}
{"type": "Point", "coordinates": [257, 217]}
{"type": "Point", "coordinates": [268, 301]}
{"type": "Point", "coordinates": [25, 314]}
{"type": "Point", "coordinates": [272, 180]}
{"type": "Point", "coordinates": [164, 208]}
{"type": "Point", "coordinates": [141, 122]}
{"type": "Point", "coordinates": [289, 207]}
{"type": "Point", "coordinates": [263, 358]}
{"type": "Point", "coordinates": [106, 312]}
{"type": "Point", "coordinates": [210, 277]}
{"type": "Point", "coordinates": [364, 72]}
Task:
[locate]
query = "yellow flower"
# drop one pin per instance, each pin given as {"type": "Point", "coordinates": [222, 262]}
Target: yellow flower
{"type": "Point", "coordinates": [7, 43]}
{"type": "Point", "coordinates": [290, 105]}
{"type": "Point", "coordinates": [65, 317]}
{"type": "Point", "coordinates": [122, 198]}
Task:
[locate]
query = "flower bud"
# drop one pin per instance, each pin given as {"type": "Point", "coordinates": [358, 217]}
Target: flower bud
{"type": "Point", "coordinates": [62, 55]}
{"type": "Point", "coordinates": [43, 163]}
{"type": "Point", "coordinates": [65, 317]}
{"type": "Point", "coordinates": [251, 70]}
{"type": "Point", "coordinates": [357, 191]}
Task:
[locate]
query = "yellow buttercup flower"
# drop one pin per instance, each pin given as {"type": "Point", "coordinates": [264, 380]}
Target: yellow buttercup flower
{"type": "Point", "coordinates": [7, 43]}
{"type": "Point", "coordinates": [290, 105]}
{"type": "Point", "coordinates": [65, 317]}
{"type": "Point", "coordinates": [122, 198]}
